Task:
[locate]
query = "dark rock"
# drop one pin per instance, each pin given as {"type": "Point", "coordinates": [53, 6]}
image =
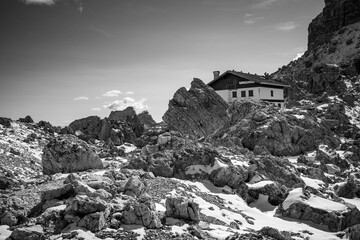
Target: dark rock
{"type": "Point", "coordinates": [232, 176]}
{"type": "Point", "coordinates": [66, 154]}
{"type": "Point", "coordinates": [83, 205]}
{"type": "Point", "coordinates": [60, 192]}
{"type": "Point", "coordinates": [146, 119]}
{"type": "Point", "coordinates": [46, 126]}
{"type": "Point", "coordinates": [93, 222]}
{"type": "Point", "coordinates": [335, 15]}
{"type": "Point", "coordinates": [199, 111]}
{"type": "Point", "coordinates": [6, 122]}
{"type": "Point", "coordinates": [129, 116]}
{"type": "Point", "coordinates": [29, 233]}
{"type": "Point", "coordinates": [276, 194]}
{"type": "Point", "coordinates": [26, 119]}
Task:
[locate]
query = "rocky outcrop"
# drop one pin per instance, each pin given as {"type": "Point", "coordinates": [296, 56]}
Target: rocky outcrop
{"type": "Point", "coordinates": [30, 233]}
{"type": "Point", "coordinates": [335, 15]}
{"type": "Point", "coordinates": [90, 128]}
{"type": "Point", "coordinates": [66, 154]}
{"type": "Point", "coordinates": [6, 122]}
{"type": "Point", "coordinates": [146, 119]}
{"type": "Point", "coordinates": [26, 119]}
{"type": "Point", "coordinates": [199, 111]}
{"type": "Point", "coordinates": [259, 125]}
{"type": "Point", "coordinates": [122, 115]}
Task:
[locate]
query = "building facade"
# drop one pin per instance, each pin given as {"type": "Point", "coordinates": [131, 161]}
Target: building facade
{"type": "Point", "coordinates": [232, 86]}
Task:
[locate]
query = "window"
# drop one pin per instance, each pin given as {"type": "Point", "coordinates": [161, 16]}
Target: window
{"type": "Point", "coordinates": [272, 93]}
{"type": "Point", "coordinates": [243, 93]}
{"type": "Point", "coordinates": [234, 94]}
{"type": "Point", "coordinates": [251, 93]}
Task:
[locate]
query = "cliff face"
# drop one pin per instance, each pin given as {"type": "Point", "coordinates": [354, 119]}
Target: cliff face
{"type": "Point", "coordinates": [335, 15]}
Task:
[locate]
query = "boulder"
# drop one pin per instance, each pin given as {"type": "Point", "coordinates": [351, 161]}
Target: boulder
{"type": "Point", "coordinates": [350, 189]}
{"type": "Point", "coordinates": [182, 208]}
{"type": "Point", "coordinates": [232, 176]}
{"type": "Point", "coordinates": [83, 205]}
{"type": "Point", "coordinates": [134, 186]}
{"type": "Point", "coordinates": [141, 212]}
{"type": "Point", "coordinates": [129, 116]}
{"type": "Point", "coordinates": [199, 111]}
{"type": "Point", "coordinates": [29, 233]}
{"type": "Point", "coordinates": [305, 206]}
{"type": "Point", "coordinates": [90, 128]}
{"type": "Point", "coordinates": [93, 222]}
{"type": "Point", "coordinates": [63, 191]}
{"type": "Point", "coordinates": [66, 154]}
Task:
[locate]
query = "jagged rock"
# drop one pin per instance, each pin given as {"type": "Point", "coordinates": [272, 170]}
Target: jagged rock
{"type": "Point", "coordinates": [141, 212]}
{"type": "Point", "coordinates": [6, 122]}
{"type": "Point", "coordinates": [93, 222]}
{"type": "Point", "coordinates": [264, 128]}
{"type": "Point", "coordinates": [29, 233]}
{"type": "Point", "coordinates": [26, 119]}
{"type": "Point", "coordinates": [350, 189]}
{"type": "Point", "coordinates": [182, 208]}
{"type": "Point", "coordinates": [335, 15]}
{"type": "Point", "coordinates": [63, 191]}
{"type": "Point", "coordinates": [134, 186]}
{"type": "Point", "coordinates": [129, 116]}
{"type": "Point", "coordinates": [336, 216]}
{"type": "Point", "coordinates": [8, 218]}
{"type": "Point", "coordinates": [232, 176]}
{"type": "Point", "coordinates": [327, 156]}
{"type": "Point", "coordinates": [161, 164]}
{"type": "Point", "coordinates": [48, 127]}
{"type": "Point", "coordinates": [199, 111]}
{"type": "Point", "coordinates": [146, 119]}
{"type": "Point", "coordinates": [353, 233]}
{"type": "Point", "coordinates": [276, 170]}
{"type": "Point", "coordinates": [164, 138]}
{"type": "Point", "coordinates": [66, 154]}
{"type": "Point", "coordinates": [91, 128]}
{"type": "Point", "coordinates": [84, 205]}
{"type": "Point", "coordinates": [7, 182]}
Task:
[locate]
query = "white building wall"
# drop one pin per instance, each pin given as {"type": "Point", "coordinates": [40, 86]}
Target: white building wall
{"type": "Point", "coordinates": [265, 93]}
{"type": "Point", "coordinates": [259, 94]}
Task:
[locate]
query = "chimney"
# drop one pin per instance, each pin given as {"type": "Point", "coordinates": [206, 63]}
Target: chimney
{"type": "Point", "coordinates": [216, 74]}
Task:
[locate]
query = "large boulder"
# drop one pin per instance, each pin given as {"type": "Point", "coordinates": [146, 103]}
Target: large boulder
{"type": "Point", "coordinates": [182, 208]}
{"type": "Point", "coordinates": [30, 233]}
{"type": "Point", "coordinates": [129, 116]}
{"type": "Point", "coordinates": [232, 176]}
{"type": "Point", "coordinates": [6, 122]}
{"type": "Point", "coordinates": [26, 119]}
{"type": "Point", "coordinates": [199, 111]}
{"type": "Point", "coordinates": [66, 154]}
{"type": "Point", "coordinates": [305, 206]}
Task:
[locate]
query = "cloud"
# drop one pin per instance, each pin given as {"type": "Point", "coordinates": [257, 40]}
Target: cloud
{"type": "Point", "coordinates": [41, 2]}
{"type": "Point", "coordinates": [96, 109]}
{"type": "Point", "coordinates": [264, 3]}
{"type": "Point", "coordinates": [251, 18]}
{"type": "Point", "coordinates": [287, 26]}
{"type": "Point", "coordinates": [112, 93]}
{"type": "Point", "coordinates": [81, 98]}
{"type": "Point", "coordinates": [138, 105]}
{"type": "Point", "coordinates": [129, 93]}
{"type": "Point", "coordinates": [299, 55]}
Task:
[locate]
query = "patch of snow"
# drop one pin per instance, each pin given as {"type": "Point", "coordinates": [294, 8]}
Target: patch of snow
{"type": "Point", "coordinates": [322, 106]}
{"type": "Point", "coordinates": [299, 116]}
{"type": "Point", "coordinates": [314, 183]}
{"type": "Point", "coordinates": [160, 207]}
{"type": "Point", "coordinates": [180, 230]}
{"type": "Point", "coordinates": [355, 201]}
{"type": "Point", "coordinates": [128, 147]}
{"type": "Point", "coordinates": [194, 169]}
{"type": "Point", "coordinates": [259, 184]}
{"type": "Point", "coordinates": [4, 232]}
{"type": "Point", "coordinates": [296, 196]}
{"type": "Point", "coordinates": [263, 204]}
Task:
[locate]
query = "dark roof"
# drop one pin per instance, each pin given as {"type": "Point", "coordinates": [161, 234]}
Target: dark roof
{"type": "Point", "coordinates": [250, 77]}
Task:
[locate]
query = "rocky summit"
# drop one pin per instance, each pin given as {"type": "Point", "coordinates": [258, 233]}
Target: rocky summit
{"type": "Point", "coordinates": [211, 170]}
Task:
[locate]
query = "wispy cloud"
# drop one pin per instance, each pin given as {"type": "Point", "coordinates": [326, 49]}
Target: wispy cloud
{"type": "Point", "coordinates": [81, 98]}
{"type": "Point", "coordinates": [251, 18]}
{"type": "Point", "coordinates": [264, 3]}
{"type": "Point", "coordinates": [138, 105]}
{"type": "Point", "coordinates": [286, 26]}
{"type": "Point", "coordinates": [129, 93]}
{"type": "Point", "coordinates": [112, 93]}
{"type": "Point", "coordinates": [42, 2]}
{"type": "Point", "coordinates": [97, 109]}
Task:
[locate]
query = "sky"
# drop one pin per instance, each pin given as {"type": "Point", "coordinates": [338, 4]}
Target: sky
{"type": "Point", "coordinates": [62, 60]}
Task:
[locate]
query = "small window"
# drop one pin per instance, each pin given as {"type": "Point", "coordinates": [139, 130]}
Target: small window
{"type": "Point", "coordinates": [272, 93]}
{"type": "Point", "coordinates": [234, 94]}
{"type": "Point", "coordinates": [243, 93]}
{"type": "Point", "coordinates": [251, 93]}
